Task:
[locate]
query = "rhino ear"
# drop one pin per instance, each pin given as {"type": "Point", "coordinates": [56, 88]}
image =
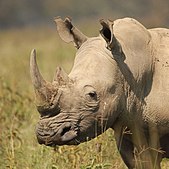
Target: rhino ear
{"type": "Point", "coordinates": [69, 33]}
{"type": "Point", "coordinates": [108, 35]}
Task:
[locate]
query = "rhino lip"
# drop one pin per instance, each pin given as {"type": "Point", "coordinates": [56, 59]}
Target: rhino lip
{"type": "Point", "coordinates": [65, 135]}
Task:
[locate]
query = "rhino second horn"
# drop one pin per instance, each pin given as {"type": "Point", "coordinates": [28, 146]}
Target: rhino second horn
{"type": "Point", "coordinates": [61, 77]}
{"type": "Point", "coordinates": [36, 77]}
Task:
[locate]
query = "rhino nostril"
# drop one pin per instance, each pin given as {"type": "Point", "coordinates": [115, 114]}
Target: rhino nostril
{"type": "Point", "coordinates": [65, 130]}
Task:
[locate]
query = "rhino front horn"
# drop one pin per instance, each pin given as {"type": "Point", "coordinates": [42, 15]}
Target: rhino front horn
{"type": "Point", "coordinates": [44, 90]}
{"type": "Point", "coordinates": [42, 87]}
{"type": "Point", "coordinates": [36, 77]}
{"type": "Point", "coordinates": [38, 82]}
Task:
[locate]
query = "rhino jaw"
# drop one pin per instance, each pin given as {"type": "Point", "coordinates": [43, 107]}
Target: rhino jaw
{"type": "Point", "coordinates": [50, 137]}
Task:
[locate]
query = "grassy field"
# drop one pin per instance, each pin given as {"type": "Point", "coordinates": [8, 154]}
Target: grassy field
{"type": "Point", "coordinates": [18, 146]}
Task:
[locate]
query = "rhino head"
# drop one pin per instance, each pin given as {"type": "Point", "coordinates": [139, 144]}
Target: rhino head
{"type": "Point", "coordinates": [78, 107]}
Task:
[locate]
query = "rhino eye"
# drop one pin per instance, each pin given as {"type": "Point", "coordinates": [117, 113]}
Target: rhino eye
{"type": "Point", "coordinates": [92, 95]}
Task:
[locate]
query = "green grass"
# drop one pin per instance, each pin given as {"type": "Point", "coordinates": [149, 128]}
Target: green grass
{"type": "Point", "coordinates": [18, 145]}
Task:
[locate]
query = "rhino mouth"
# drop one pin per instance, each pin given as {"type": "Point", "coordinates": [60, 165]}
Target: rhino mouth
{"type": "Point", "coordinates": [52, 135]}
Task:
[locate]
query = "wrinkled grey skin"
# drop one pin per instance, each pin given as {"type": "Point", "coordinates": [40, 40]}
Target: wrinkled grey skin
{"type": "Point", "coordinates": [119, 80]}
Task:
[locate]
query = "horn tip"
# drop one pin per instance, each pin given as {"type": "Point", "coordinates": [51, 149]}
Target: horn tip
{"type": "Point", "coordinates": [33, 52]}
{"type": "Point", "coordinates": [33, 55]}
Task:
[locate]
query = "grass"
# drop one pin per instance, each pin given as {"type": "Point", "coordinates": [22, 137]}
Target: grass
{"type": "Point", "coordinates": [18, 145]}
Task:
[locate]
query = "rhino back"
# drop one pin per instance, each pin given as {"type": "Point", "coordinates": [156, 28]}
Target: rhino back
{"type": "Point", "coordinates": [157, 110]}
{"type": "Point", "coordinates": [161, 59]}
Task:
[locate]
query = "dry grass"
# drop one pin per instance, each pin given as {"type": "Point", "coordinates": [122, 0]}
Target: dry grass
{"type": "Point", "coordinates": [18, 146]}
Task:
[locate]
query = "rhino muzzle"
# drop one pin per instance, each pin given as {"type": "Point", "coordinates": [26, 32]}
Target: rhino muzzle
{"type": "Point", "coordinates": [52, 135]}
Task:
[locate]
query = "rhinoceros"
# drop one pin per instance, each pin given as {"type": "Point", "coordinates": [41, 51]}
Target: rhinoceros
{"type": "Point", "coordinates": [119, 80]}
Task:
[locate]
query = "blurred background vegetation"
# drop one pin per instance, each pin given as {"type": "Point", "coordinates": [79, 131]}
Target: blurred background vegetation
{"type": "Point", "coordinates": [28, 24]}
{"type": "Point", "coordinates": [19, 13]}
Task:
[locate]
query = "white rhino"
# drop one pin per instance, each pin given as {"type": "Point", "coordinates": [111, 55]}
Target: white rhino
{"type": "Point", "coordinates": [119, 80]}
